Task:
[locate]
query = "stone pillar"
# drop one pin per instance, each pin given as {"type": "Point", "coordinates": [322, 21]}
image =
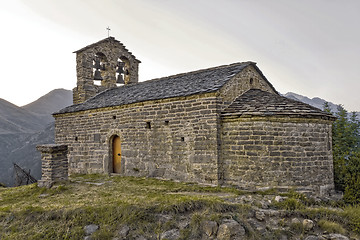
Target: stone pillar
{"type": "Point", "coordinates": [54, 164]}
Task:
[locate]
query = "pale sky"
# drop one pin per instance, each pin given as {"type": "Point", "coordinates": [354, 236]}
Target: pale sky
{"type": "Point", "coordinates": [310, 47]}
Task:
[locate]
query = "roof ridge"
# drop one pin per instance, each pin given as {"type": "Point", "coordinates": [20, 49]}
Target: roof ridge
{"type": "Point", "coordinates": [183, 84]}
{"type": "Point", "coordinates": [103, 40]}
{"type": "Point", "coordinates": [172, 76]}
{"type": "Point", "coordinates": [182, 74]}
{"type": "Point", "coordinates": [203, 70]}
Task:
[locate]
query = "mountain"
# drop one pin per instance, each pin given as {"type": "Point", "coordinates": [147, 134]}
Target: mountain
{"type": "Point", "coordinates": [315, 102]}
{"type": "Point", "coordinates": [34, 116]}
{"type": "Point", "coordinates": [22, 128]}
{"type": "Point", "coordinates": [50, 103]}
{"type": "Point", "coordinates": [14, 119]}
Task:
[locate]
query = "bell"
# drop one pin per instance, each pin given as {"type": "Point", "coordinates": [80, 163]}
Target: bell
{"type": "Point", "coordinates": [120, 67]}
{"type": "Point", "coordinates": [97, 63]}
{"type": "Point", "coordinates": [120, 79]}
{"type": "Point", "coordinates": [97, 75]}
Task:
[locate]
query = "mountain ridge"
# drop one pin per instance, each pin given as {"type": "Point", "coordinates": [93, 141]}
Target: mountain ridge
{"type": "Point", "coordinates": [16, 119]}
{"type": "Point", "coordinates": [56, 96]}
{"type": "Point", "coordinates": [315, 102]}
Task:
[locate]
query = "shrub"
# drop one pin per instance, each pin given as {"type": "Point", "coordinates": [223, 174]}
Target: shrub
{"type": "Point", "coordinates": [291, 204]}
{"type": "Point", "coordinates": [331, 227]}
{"type": "Point", "coordinates": [352, 214]}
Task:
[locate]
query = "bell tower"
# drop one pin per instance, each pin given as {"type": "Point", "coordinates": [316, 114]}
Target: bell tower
{"type": "Point", "coordinates": [103, 65]}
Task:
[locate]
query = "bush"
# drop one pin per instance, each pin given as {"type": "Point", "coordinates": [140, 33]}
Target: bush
{"type": "Point", "coordinates": [352, 214]}
{"type": "Point", "coordinates": [331, 227]}
{"type": "Point", "coordinates": [290, 204]}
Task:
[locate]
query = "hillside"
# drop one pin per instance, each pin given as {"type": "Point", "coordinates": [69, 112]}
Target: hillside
{"type": "Point", "coordinates": [22, 128]}
{"type": "Point", "coordinates": [8, 142]}
{"type": "Point", "coordinates": [35, 116]}
{"type": "Point", "coordinates": [24, 154]}
{"type": "Point", "coordinates": [50, 103]}
{"type": "Point", "coordinates": [103, 207]}
{"type": "Point", "coordinates": [14, 119]}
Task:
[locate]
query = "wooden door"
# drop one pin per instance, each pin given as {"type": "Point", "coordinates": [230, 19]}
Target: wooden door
{"type": "Point", "coordinates": [116, 155]}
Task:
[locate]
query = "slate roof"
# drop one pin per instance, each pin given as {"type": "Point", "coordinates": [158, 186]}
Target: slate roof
{"type": "Point", "coordinates": [256, 102]}
{"type": "Point", "coordinates": [186, 84]}
{"type": "Point", "coordinates": [109, 39]}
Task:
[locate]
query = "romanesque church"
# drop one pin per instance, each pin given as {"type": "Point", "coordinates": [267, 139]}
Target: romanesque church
{"type": "Point", "coordinates": [224, 125]}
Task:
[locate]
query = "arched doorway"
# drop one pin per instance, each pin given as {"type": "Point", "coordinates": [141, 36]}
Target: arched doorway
{"type": "Point", "coordinates": [116, 150]}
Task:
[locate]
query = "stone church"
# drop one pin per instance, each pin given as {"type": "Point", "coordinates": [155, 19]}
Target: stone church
{"type": "Point", "coordinates": [224, 125]}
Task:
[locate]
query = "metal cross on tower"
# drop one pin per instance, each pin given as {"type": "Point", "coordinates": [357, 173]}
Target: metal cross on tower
{"type": "Point", "coordinates": [108, 29]}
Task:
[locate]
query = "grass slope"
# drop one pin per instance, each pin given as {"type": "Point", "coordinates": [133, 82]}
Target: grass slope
{"type": "Point", "coordinates": [29, 212]}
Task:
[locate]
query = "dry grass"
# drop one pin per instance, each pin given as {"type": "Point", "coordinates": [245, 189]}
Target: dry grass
{"type": "Point", "coordinates": [30, 212]}
{"type": "Point", "coordinates": [331, 227]}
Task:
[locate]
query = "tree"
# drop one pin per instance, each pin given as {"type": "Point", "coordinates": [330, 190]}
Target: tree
{"type": "Point", "coordinates": [352, 179]}
{"type": "Point", "coordinates": [346, 153]}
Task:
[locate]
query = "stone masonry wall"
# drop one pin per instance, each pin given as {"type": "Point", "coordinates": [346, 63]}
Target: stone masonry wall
{"type": "Point", "coordinates": [277, 152]}
{"type": "Point", "coordinates": [172, 138]}
{"type": "Point", "coordinates": [54, 164]}
{"type": "Point", "coordinates": [245, 80]}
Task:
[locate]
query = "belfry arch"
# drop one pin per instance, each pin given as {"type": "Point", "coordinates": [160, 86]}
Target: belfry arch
{"type": "Point", "coordinates": [101, 66]}
{"type": "Point", "coordinates": [123, 71]}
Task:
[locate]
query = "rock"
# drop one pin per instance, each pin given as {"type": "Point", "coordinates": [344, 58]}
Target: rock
{"type": "Point", "coordinates": [90, 229]}
{"type": "Point", "coordinates": [283, 237]}
{"type": "Point", "coordinates": [265, 204]}
{"type": "Point", "coordinates": [313, 237]}
{"type": "Point", "coordinates": [171, 234]}
{"type": "Point", "coordinates": [295, 221]}
{"type": "Point", "coordinates": [140, 238]}
{"type": "Point", "coordinates": [185, 223]}
{"type": "Point", "coordinates": [123, 231]}
{"type": "Point", "coordinates": [163, 218]}
{"type": "Point", "coordinates": [230, 230]}
{"type": "Point", "coordinates": [273, 213]}
{"type": "Point", "coordinates": [336, 236]}
{"type": "Point", "coordinates": [279, 199]}
{"type": "Point", "coordinates": [308, 224]}
{"type": "Point", "coordinates": [209, 228]}
{"type": "Point", "coordinates": [259, 215]}
{"type": "Point", "coordinates": [95, 183]}
{"type": "Point", "coordinates": [87, 238]}
{"type": "Point", "coordinates": [260, 227]}
{"type": "Point", "coordinates": [273, 223]}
